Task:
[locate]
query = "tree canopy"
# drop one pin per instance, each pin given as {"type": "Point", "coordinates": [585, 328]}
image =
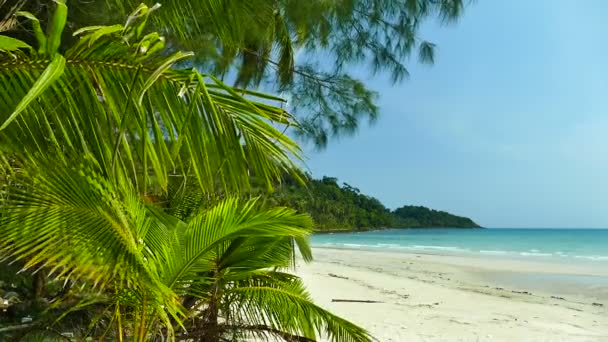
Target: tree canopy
{"type": "Point", "coordinates": [301, 49]}
{"type": "Point", "coordinates": [101, 117]}
{"type": "Point", "coordinates": [343, 207]}
{"type": "Point", "coordinates": [91, 130]}
{"type": "Point", "coordinates": [421, 217]}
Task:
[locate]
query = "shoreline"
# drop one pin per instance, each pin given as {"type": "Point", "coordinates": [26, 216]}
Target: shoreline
{"type": "Point", "coordinates": [474, 254]}
{"type": "Point", "coordinates": [426, 297]}
{"type": "Point", "coordinates": [365, 230]}
{"type": "Point", "coordinates": [479, 270]}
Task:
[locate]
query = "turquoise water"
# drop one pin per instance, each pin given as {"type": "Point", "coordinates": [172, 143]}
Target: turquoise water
{"type": "Point", "coordinates": [556, 244]}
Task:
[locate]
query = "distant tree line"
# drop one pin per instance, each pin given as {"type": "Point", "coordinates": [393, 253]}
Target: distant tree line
{"type": "Point", "coordinates": [344, 207]}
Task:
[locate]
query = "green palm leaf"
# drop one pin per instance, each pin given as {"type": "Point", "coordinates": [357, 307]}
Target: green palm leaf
{"type": "Point", "coordinates": [119, 98]}
{"type": "Point", "coordinates": [78, 225]}
{"type": "Point", "coordinates": [286, 306]}
{"type": "Point", "coordinates": [211, 237]}
{"type": "Point", "coordinates": [88, 128]}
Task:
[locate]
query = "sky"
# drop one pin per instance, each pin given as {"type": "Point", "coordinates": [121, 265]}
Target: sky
{"type": "Point", "coordinates": [509, 127]}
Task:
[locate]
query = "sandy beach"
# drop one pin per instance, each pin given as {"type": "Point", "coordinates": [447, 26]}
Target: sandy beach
{"type": "Point", "coordinates": [422, 297]}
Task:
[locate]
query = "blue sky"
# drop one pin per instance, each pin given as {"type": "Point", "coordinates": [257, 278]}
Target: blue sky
{"type": "Point", "coordinates": [509, 127]}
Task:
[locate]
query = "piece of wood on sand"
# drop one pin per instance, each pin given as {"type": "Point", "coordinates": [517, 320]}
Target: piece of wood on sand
{"type": "Point", "coordinates": [355, 301]}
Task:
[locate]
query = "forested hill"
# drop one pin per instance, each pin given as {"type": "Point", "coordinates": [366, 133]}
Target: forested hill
{"type": "Point", "coordinates": [335, 207]}
{"type": "Point", "coordinates": [420, 217]}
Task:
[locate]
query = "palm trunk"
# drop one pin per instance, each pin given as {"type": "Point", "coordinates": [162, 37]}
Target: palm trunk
{"type": "Point", "coordinates": [212, 323]}
{"type": "Point", "coordinates": [39, 284]}
{"type": "Point", "coordinates": [212, 328]}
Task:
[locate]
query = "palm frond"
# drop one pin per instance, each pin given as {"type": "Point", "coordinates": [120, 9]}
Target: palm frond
{"type": "Point", "coordinates": [86, 129]}
{"type": "Point", "coordinates": [70, 218]}
{"type": "Point", "coordinates": [215, 239]}
{"type": "Point", "coordinates": [286, 306]}
{"type": "Point", "coordinates": [80, 227]}
{"type": "Point", "coordinates": [118, 97]}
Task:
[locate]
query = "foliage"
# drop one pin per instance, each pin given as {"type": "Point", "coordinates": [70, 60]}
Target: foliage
{"type": "Point", "coordinates": [217, 275]}
{"type": "Point", "coordinates": [335, 207]}
{"type": "Point", "coordinates": [422, 217]}
{"type": "Point", "coordinates": [257, 42]}
{"type": "Point", "coordinates": [91, 132]}
{"type": "Point", "coordinates": [332, 206]}
{"type": "Point", "coordinates": [116, 95]}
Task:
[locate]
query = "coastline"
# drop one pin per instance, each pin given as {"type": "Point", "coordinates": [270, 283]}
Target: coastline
{"type": "Point", "coordinates": [428, 297]}
{"type": "Point", "coordinates": [377, 229]}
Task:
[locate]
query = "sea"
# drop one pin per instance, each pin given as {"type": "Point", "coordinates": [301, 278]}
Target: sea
{"type": "Point", "coordinates": [584, 249]}
{"type": "Point", "coordinates": [588, 245]}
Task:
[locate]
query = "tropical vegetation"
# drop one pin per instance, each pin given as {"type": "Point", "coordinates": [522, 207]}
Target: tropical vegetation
{"type": "Point", "coordinates": [336, 207]}
{"type": "Point", "coordinates": [300, 49]}
{"type": "Point", "coordinates": [106, 126]}
{"type": "Point", "coordinates": [90, 134]}
{"type": "Point", "coordinates": [421, 217]}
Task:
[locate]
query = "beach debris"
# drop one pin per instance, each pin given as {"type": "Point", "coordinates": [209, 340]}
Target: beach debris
{"type": "Point", "coordinates": [355, 301]}
{"type": "Point", "coordinates": [337, 276]}
{"type": "Point", "coordinates": [597, 304]}
{"type": "Point", "coordinates": [556, 297]}
{"type": "Point", "coordinates": [522, 292]}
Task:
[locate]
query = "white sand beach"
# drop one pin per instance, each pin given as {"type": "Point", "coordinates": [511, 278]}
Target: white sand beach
{"type": "Point", "coordinates": [446, 298]}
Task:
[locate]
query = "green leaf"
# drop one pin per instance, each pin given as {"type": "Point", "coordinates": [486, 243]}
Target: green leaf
{"type": "Point", "coordinates": [12, 44]}
{"type": "Point", "coordinates": [40, 37]}
{"type": "Point", "coordinates": [100, 31]}
{"type": "Point", "coordinates": [52, 72]}
{"type": "Point", "coordinates": [167, 64]}
{"type": "Point", "coordinates": [56, 28]}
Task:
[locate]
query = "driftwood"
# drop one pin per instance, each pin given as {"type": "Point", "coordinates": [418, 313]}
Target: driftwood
{"type": "Point", "coordinates": [355, 301]}
{"type": "Point", "coordinates": [337, 276]}
{"type": "Point", "coordinates": [522, 292]}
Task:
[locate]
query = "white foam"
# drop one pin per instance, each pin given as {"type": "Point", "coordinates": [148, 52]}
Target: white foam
{"type": "Point", "coordinates": [390, 245]}
{"type": "Point", "coordinates": [592, 257]}
{"type": "Point", "coordinates": [441, 248]}
{"type": "Point", "coordinates": [535, 254]}
{"type": "Point", "coordinates": [493, 252]}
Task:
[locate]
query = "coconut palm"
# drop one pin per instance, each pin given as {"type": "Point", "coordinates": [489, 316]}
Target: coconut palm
{"type": "Point", "coordinates": [256, 42]}
{"type": "Point", "coordinates": [218, 276]}
{"type": "Point", "coordinates": [116, 95]}
{"type": "Point", "coordinates": [89, 131]}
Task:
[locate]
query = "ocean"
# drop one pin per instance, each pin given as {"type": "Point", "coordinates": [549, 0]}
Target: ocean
{"type": "Point", "coordinates": [584, 245]}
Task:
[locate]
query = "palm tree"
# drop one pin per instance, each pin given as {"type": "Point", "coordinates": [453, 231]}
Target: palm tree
{"type": "Point", "coordinates": [256, 42]}
{"type": "Point", "coordinates": [89, 131]}
{"type": "Point", "coordinates": [218, 276]}
{"type": "Point", "coordinates": [117, 96]}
